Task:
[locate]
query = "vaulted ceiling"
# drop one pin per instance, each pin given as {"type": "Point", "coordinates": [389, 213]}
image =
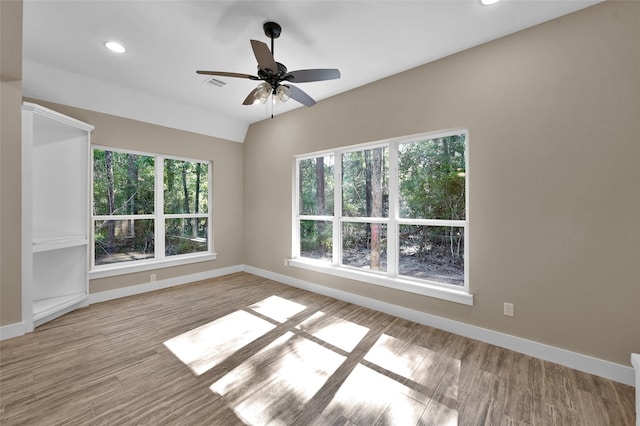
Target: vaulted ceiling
{"type": "Point", "coordinates": [65, 61]}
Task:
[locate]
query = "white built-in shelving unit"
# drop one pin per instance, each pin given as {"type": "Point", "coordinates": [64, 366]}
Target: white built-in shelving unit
{"type": "Point", "coordinates": [55, 214]}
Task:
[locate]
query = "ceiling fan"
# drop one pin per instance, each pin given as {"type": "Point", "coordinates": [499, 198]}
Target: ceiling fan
{"type": "Point", "coordinates": [274, 75]}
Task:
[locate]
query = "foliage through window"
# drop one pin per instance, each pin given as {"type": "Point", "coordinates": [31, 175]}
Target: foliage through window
{"type": "Point", "coordinates": [396, 209]}
{"type": "Point", "coordinates": [148, 206]}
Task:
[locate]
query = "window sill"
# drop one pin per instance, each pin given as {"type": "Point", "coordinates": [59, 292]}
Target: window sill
{"type": "Point", "coordinates": [423, 288]}
{"type": "Point", "coordinates": [148, 265]}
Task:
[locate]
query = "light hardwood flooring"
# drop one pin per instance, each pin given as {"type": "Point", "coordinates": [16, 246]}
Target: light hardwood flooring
{"type": "Point", "coordinates": [241, 349]}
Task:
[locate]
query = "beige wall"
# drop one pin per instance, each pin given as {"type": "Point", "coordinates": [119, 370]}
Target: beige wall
{"type": "Point", "coordinates": [110, 131]}
{"type": "Point", "coordinates": [553, 114]}
{"type": "Point", "coordinates": [554, 153]}
{"type": "Point", "coordinates": [120, 132]}
{"type": "Point", "coordinates": [10, 157]}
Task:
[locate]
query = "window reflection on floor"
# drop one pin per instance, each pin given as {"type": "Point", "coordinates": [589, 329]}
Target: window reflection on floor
{"type": "Point", "coordinates": [286, 363]}
{"type": "Point", "coordinates": [205, 347]}
{"type": "Point", "coordinates": [335, 331]}
{"type": "Point", "coordinates": [281, 377]}
{"type": "Point", "coordinates": [277, 308]}
{"type": "Point", "coordinates": [396, 355]}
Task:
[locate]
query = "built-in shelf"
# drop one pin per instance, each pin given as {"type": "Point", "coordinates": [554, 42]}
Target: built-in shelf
{"type": "Point", "coordinates": [55, 214]}
{"type": "Point", "coordinates": [46, 307]}
{"type": "Point", "coordinates": [55, 243]}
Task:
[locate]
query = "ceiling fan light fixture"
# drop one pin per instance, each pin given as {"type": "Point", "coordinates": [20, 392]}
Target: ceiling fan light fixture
{"type": "Point", "coordinates": [283, 93]}
{"type": "Point", "coordinates": [262, 93]}
{"type": "Point", "coordinates": [114, 46]}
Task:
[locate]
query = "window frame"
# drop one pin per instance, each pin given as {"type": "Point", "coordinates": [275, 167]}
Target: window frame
{"type": "Point", "coordinates": [389, 278]}
{"type": "Point", "coordinates": [160, 259]}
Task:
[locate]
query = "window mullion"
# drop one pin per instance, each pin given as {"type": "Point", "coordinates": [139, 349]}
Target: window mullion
{"type": "Point", "coordinates": [186, 215]}
{"type": "Point", "coordinates": [210, 207]}
{"type": "Point", "coordinates": [337, 208]}
{"type": "Point", "coordinates": [92, 231]}
{"type": "Point", "coordinates": [124, 217]}
{"type": "Point", "coordinates": [159, 208]}
{"type": "Point", "coordinates": [433, 222]}
{"type": "Point", "coordinates": [357, 219]}
{"type": "Point", "coordinates": [295, 231]}
{"type": "Point", "coordinates": [392, 227]}
{"type": "Point", "coordinates": [315, 217]}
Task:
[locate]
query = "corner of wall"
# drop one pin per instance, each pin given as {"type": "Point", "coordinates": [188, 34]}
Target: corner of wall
{"type": "Point", "coordinates": [10, 162]}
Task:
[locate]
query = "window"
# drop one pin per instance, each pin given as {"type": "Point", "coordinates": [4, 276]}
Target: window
{"type": "Point", "coordinates": [392, 213]}
{"type": "Point", "coordinates": [148, 208]}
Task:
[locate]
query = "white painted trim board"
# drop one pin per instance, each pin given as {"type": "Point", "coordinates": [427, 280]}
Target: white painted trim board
{"type": "Point", "coordinates": [103, 296]}
{"type": "Point", "coordinates": [635, 361]}
{"type": "Point", "coordinates": [581, 362]}
{"type": "Point", "coordinates": [19, 329]}
{"type": "Point", "coordinates": [12, 330]}
{"type": "Point", "coordinates": [578, 361]}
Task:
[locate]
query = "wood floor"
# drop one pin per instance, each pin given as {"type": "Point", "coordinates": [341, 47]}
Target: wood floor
{"type": "Point", "coordinates": [241, 349]}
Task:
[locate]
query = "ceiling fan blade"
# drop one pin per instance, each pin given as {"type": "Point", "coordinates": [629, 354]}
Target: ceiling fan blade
{"type": "Point", "coordinates": [264, 57]}
{"type": "Point", "coordinates": [252, 97]}
{"type": "Point", "coordinates": [228, 74]}
{"type": "Point", "coordinates": [305, 76]}
{"type": "Point", "coordinates": [300, 95]}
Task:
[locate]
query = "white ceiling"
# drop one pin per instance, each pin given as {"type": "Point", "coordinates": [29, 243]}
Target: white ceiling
{"type": "Point", "coordinates": [64, 59]}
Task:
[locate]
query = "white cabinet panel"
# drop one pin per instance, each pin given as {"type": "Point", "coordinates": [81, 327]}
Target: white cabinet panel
{"type": "Point", "coordinates": [55, 207]}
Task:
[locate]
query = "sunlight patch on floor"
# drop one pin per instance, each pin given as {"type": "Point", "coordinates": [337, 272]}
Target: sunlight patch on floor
{"type": "Point", "coordinates": [437, 380]}
{"type": "Point", "coordinates": [444, 406]}
{"type": "Point", "coordinates": [364, 397]}
{"type": "Point", "coordinates": [404, 373]}
{"type": "Point", "coordinates": [340, 333]}
{"type": "Point", "coordinates": [291, 368]}
{"type": "Point", "coordinates": [403, 410]}
{"type": "Point", "coordinates": [396, 355]}
{"type": "Point", "coordinates": [277, 308]}
{"type": "Point", "coordinates": [206, 346]}
{"type": "Point", "coordinates": [282, 377]}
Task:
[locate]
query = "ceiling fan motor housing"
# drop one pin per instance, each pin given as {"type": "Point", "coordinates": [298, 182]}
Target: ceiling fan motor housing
{"type": "Point", "coordinates": [274, 79]}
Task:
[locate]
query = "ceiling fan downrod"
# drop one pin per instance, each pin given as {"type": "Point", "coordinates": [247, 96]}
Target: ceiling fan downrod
{"type": "Point", "coordinates": [272, 30]}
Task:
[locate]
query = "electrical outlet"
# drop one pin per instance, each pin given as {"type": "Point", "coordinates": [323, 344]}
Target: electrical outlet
{"type": "Point", "coordinates": [286, 262]}
{"type": "Point", "coordinates": [508, 309]}
{"type": "Point", "coordinates": [152, 277]}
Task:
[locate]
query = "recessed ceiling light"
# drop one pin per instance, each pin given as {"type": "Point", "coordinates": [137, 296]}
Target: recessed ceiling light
{"type": "Point", "coordinates": [489, 2]}
{"type": "Point", "coordinates": [114, 46]}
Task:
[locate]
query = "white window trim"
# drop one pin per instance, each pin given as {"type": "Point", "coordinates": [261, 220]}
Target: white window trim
{"type": "Point", "coordinates": [424, 288]}
{"type": "Point", "coordinates": [151, 264]}
{"type": "Point", "coordinates": [160, 260]}
{"type": "Point", "coordinates": [390, 278]}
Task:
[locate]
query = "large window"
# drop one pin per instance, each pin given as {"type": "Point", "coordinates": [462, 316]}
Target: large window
{"type": "Point", "coordinates": [392, 213]}
{"type": "Point", "coordinates": [148, 208]}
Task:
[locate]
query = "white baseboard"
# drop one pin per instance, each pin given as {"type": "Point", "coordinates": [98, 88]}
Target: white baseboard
{"type": "Point", "coordinates": [19, 329]}
{"type": "Point", "coordinates": [577, 361]}
{"type": "Point", "coordinates": [588, 364]}
{"type": "Point", "coordinates": [635, 361]}
{"type": "Point", "coordinates": [12, 330]}
{"type": "Point", "coordinates": [103, 296]}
